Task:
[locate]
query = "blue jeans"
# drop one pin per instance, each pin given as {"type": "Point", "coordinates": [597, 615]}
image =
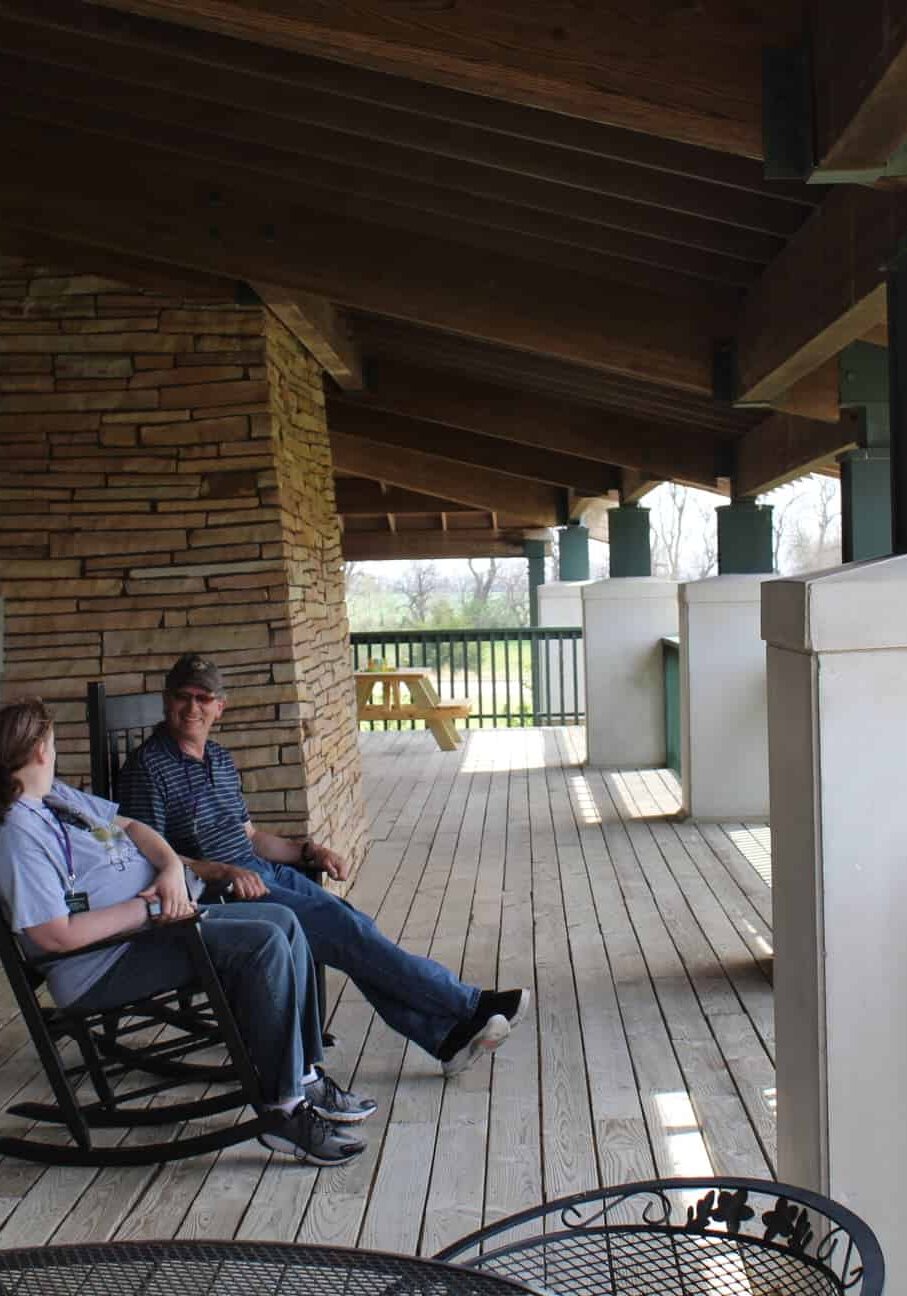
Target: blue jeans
{"type": "Point", "coordinates": [416, 996]}
{"type": "Point", "coordinates": [265, 966]}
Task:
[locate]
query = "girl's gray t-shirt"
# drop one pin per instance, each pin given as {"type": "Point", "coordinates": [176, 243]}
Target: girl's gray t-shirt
{"type": "Point", "coordinates": [35, 882]}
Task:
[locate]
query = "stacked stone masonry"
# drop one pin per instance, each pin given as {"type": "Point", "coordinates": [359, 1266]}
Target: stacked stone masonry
{"type": "Point", "coordinates": [166, 486]}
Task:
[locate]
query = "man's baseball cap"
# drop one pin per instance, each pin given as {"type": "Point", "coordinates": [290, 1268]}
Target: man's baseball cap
{"type": "Point", "coordinates": [193, 669]}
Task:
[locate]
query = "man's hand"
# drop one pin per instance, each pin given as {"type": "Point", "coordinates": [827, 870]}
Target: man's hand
{"type": "Point", "coordinates": [333, 864]}
{"type": "Point", "coordinates": [246, 883]}
{"type": "Point", "coordinates": [170, 888]}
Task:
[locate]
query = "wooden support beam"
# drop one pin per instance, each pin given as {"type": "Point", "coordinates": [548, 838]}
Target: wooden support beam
{"type": "Point", "coordinates": [588, 476]}
{"type": "Point", "coordinates": [532, 503]}
{"type": "Point", "coordinates": [825, 290]}
{"type": "Point", "coordinates": [319, 327]}
{"type": "Point", "coordinates": [357, 497]}
{"type": "Point", "coordinates": [672, 78]}
{"type": "Point", "coordinates": [660, 448]}
{"type": "Point", "coordinates": [634, 485]}
{"type": "Point", "coordinates": [383, 545]}
{"type": "Point", "coordinates": [860, 88]}
{"type": "Point", "coordinates": [71, 191]}
{"type": "Point", "coordinates": [784, 447]}
{"type": "Point", "coordinates": [815, 396]}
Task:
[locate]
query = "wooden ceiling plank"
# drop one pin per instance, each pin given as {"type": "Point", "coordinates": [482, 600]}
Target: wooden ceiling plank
{"type": "Point", "coordinates": [549, 424]}
{"type": "Point", "coordinates": [815, 396]}
{"type": "Point", "coordinates": [825, 290]}
{"type": "Point", "coordinates": [591, 477]}
{"type": "Point", "coordinates": [534, 504]}
{"type": "Point", "coordinates": [457, 156]}
{"type": "Point", "coordinates": [785, 447]}
{"type": "Point", "coordinates": [193, 48]}
{"type": "Point", "coordinates": [628, 330]}
{"type": "Point", "coordinates": [377, 546]}
{"type": "Point", "coordinates": [320, 328]}
{"type": "Point", "coordinates": [693, 81]}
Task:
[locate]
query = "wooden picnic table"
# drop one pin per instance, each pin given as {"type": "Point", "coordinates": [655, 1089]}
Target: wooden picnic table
{"type": "Point", "coordinates": [421, 701]}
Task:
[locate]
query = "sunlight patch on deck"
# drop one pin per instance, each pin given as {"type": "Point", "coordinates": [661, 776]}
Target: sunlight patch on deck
{"type": "Point", "coordinates": [583, 800]}
{"type": "Point", "coordinates": [685, 1145]}
{"type": "Point", "coordinates": [755, 845]}
{"type": "Point", "coordinates": [525, 750]}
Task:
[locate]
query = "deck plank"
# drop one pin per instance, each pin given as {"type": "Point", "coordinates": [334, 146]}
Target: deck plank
{"type": "Point", "coordinates": [648, 1048]}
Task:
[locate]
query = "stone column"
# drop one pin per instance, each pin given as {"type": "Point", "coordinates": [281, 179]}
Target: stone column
{"type": "Point", "coordinates": [837, 710]}
{"type": "Point", "coordinates": [167, 487]}
{"type": "Point", "coordinates": [630, 550]}
{"type": "Point", "coordinates": [624, 622]}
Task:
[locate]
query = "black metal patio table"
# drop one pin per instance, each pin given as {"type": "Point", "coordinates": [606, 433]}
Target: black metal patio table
{"type": "Point", "coordinates": [194, 1268]}
{"type": "Point", "coordinates": [682, 1237]}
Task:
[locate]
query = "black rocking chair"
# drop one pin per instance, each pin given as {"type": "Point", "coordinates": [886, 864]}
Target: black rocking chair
{"type": "Point", "coordinates": [114, 1043]}
{"type": "Point", "coordinates": [118, 726]}
{"type": "Point", "coordinates": [680, 1237]}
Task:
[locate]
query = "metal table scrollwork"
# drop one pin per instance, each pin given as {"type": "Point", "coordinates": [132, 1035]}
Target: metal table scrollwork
{"type": "Point", "coordinates": [234, 1269]}
{"type": "Point", "coordinates": [682, 1237]}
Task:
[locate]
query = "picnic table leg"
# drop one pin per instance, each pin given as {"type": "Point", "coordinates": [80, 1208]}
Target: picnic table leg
{"type": "Point", "coordinates": [423, 694]}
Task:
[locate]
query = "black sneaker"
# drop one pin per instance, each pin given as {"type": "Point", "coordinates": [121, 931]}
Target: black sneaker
{"type": "Point", "coordinates": [332, 1103]}
{"type": "Point", "coordinates": [307, 1137]}
{"type": "Point", "coordinates": [473, 1039]}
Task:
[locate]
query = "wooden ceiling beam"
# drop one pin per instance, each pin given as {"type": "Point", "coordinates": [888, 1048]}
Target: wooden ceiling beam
{"type": "Point", "coordinates": [589, 477]}
{"type": "Point", "coordinates": [815, 396]}
{"type": "Point", "coordinates": [320, 328]}
{"type": "Point", "coordinates": [282, 76]}
{"type": "Point", "coordinates": [689, 77]}
{"type": "Point", "coordinates": [375, 546]}
{"type": "Point", "coordinates": [357, 497]}
{"type": "Point", "coordinates": [481, 488]}
{"type": "Point", "coordinates": [825, 290]}
{"type": "Point", "coordinates": [635, 485]}
{"type": "Point", "coordinates": [548, 424]}
{"type": "Point", "coordinates": [357, 134]}
{"type": "Point", "coordinates": [859, 55]}
{"type": "Point", "coordinates": [71, 192]}
{"type": "Point", "coordinates": [784, 447]}
{"type": "Point", "coordinates": [611, 226]}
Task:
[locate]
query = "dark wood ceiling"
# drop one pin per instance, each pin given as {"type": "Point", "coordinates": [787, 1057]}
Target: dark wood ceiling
{"type": "Point", "coordinates": [537, 220]}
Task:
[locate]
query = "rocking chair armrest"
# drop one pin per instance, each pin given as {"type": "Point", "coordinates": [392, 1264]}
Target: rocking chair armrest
{"type": "Point", "coordinates": [125, 938]}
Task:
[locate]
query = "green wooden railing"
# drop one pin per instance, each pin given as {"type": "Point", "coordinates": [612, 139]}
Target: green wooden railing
{"type": "Point", "coordinates": [511, 677]}
{"type": "Point", "coordinates": [671, 658]}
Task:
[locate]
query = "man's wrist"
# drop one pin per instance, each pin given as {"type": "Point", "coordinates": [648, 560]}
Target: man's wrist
{"type": "Point", "coordinates": [308, 852]}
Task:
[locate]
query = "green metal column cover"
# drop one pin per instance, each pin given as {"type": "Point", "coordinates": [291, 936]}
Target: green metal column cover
{"type": "Point", "coordinates": [535, 553]}
{"type": "Point", "coordinates": [573, 553]}
{"type": "Point", "coordinates": [863, 383]}
{"type": "Point", "coordinates": [865, 505]}
{"type": "Point", "coordinates": [744, 538]}
{"type": "Point", "coordinates": [628, 535]}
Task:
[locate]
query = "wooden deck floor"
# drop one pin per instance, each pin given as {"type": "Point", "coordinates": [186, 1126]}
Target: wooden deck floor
{"type": "Point", "coordinates": [649, 1048]}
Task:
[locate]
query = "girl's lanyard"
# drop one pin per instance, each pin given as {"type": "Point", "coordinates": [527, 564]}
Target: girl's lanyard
{"type": "Point", "coordinates": [62, 833]}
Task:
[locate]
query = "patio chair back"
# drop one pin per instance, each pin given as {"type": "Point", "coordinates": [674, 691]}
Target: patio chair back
{"type": "Point", "coordinates": [673, 1237]}
{"type": "Point", "coordinates": [114, 1043]}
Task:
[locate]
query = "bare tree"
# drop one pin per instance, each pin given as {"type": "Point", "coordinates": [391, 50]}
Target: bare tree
{"type": "Point", "coordinates": [483, 581]}
{"type": "Point", "coordinates": [418, 585]}
{"type": "Point", "coordinates": [667, 526]}
{"type": "Point", "coordinates": [513, 583]}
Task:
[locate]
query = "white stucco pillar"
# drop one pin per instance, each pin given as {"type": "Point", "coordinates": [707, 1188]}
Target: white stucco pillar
{"type": "Point", "coordinates": [723, 721]}
{"type": "Point", "coordinates": [561, 605]}
{"type": "Point", "coordinates": [837, 713]}
{"type": "Point", "coordinates": [624, 621]}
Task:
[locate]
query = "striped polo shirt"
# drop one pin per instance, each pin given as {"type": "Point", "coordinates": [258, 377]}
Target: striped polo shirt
{"type": "Point", "coordinates": [197, 805]}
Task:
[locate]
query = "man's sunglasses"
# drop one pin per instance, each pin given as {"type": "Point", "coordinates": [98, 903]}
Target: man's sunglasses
{"type": "Point", "coordinates": [203, 699]}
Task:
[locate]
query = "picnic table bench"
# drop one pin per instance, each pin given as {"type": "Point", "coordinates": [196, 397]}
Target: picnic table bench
{"type": "Point", "coordinates": [420, 702]}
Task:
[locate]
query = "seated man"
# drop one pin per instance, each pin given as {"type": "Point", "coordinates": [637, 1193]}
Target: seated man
{"type": "Point", "coordinates": [187, 788]}
{"type": "Point", "coordinates": [72, 872]}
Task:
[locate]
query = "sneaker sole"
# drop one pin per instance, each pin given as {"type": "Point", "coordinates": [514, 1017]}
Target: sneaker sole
{"type": "Point", "coordinates": [343, 1118]}
{"type": "Point", "coordinates": [309, 1158]}
{"type": "Point", "coordinates": [489, 1038]}
{"type": "Point", "coordinates": [522, 1008]}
